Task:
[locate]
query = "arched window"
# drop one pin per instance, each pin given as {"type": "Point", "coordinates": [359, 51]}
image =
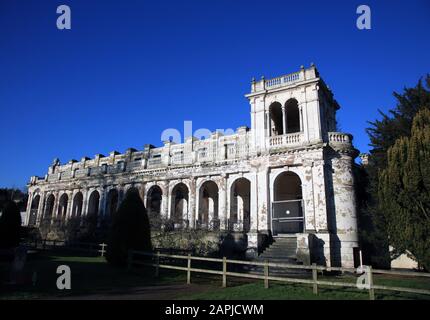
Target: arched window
{"type": "Point", "coordinates": [34, 210]}
{"type": "Point", "coordinates": [240, 203]}
{"type": "Point", "coordinates": [78, 201]}
{"type": "Point", "coordinates": [276, 119]}
{"type": "Point", "coordinates": [179, 210]}
{"type": "Point", "coordinates": [153, 201]}
{"type": "Point", "coordinates": [93, 204]}
{"type": "Point", "coordinates": [50, 206]}
{"type": "Point", "coordinates": [111, 203]}
{"type": "Point", "coordinates": [62, 206]}
{"type": "Point", "coordinates": [293, 116]}
{"type": "Point", "coordinates": [208, 204]}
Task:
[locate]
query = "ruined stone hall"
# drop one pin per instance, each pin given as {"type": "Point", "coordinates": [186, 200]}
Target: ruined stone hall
{"type": "Point", "coordinates": [287, 178]}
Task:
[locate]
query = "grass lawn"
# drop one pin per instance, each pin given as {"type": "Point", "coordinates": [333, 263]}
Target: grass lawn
{"type": "Point", "coordinates": [93, 278]}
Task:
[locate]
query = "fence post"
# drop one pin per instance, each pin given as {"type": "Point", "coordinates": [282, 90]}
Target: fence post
{"type": "Point", "coordinates": [129, 260]}
{"type": "Point", "coordinates": [370, 282]}
{"type": "Point", "coordinates": [224, 272]}
{"type": "Point", "coordinates": [315, 278]}
{"type": "Point", "coordinates": [53, 243]}
{"type": "Point", "coordinates": [266, 274]}
{"type": "Point", "coordinates": [102, 252]}
{"type": "Point", "coordinates": [189, 269]}
{"type": "Point", "coordinates": [157, 262]}
{"type": "Point", "coordinates": [44, 244]}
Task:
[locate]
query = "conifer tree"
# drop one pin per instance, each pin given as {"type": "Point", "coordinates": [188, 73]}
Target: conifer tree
{"type": "Point", "coordinates": [404, 191]}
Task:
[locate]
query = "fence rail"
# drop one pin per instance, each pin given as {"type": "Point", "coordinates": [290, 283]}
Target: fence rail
{"type": "Point", "coordinates": [369, 285]}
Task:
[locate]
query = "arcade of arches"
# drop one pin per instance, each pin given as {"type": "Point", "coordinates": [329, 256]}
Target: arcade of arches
{"type": "Point", "coordinates": [210, 211]}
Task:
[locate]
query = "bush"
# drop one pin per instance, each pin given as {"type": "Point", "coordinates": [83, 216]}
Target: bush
{"type": "Point", "coordinates": [130, 230]}
{"type": "Point", "coordinates": [10, 226]}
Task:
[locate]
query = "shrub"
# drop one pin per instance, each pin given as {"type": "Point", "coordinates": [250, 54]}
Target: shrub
{"type": "Point", "coordinates": [10, 226]}
{"type": "Point", "coordinates": [130, 230]}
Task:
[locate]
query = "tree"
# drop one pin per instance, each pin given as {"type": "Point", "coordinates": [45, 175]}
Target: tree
{"type": "Point", "coordinates": [404, 191]}
{"type": "Point", "coordinates": [130, 230]}
{"type": "Point", "coordinates": [383, 134]}
{"type": "Point", "coordinates": [10, 226]}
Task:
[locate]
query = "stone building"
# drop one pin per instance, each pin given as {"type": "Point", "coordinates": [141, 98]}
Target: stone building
{"type": "Point", "coordinates": [289, 175]}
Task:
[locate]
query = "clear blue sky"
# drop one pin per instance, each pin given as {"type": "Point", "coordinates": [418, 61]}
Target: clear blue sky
{"type": "Point", "coordinates": [130, 69]}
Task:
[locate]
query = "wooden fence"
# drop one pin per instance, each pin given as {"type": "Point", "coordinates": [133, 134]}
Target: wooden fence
{"type": "Point", "coordinates": [266, 277]}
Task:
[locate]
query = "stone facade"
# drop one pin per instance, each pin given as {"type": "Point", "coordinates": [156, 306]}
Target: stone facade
{"type": "Point", "coordinates": [290, 174]}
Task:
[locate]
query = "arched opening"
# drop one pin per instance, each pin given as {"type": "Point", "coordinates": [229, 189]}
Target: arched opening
{"type": "Point", "coordinates": [49, 206]}
{"type": "Point", "coordinates": [240, 204]}
{"type": "Point", "coordinates": [34, 210]}
{"type": "Point", "coordinates": [153, 201]}
{"type": "Point", "coordinates": [62, 207]}
{"type": "Point", "coordinates": [208, 205]}
{"type": "Point", "coordinates": [276, 119]}
{"type": "Point", "coordinates": [132, 190]}
{"type": "Point", "coordinates": [293, 116]}
{"type": "Point", "coordinates": [287, 212]}
{"type": "Point", "coordinates": [111, 203]}
{"type": "Point", "coordinates": [93, 204]}
{"type": "Point", "coordinates": [78, 201]}
{"type": "Point", "coordinates": [93, 209]}
{"type": "Point", "coordinates": [179, 209]}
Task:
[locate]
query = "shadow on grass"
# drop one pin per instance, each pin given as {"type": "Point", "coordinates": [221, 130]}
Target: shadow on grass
{"type": "Point", "coordinates": [89, 275]}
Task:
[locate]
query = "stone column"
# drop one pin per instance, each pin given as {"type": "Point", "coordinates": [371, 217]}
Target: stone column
{"type": "Point", "coordinates": [254, 204]}
{"type": "Point", "coordinates": [263, 199]}
{"type": "Point", "coordinates": [222, 198]}
{"type": "Point", "coordinates": [28, 209]}
{"type": "Point", "coordinates": [284, 120]}
{"type": "Point", "coordinates": [192, 203]}
{"type": "Point", "coordinates": [165, 200]}
{"type": "Point", "coordinates": [69, 205]}
{"type": "Point", "coordinates": [55, 209]}
{"type": "Point", "coordinates": [345, 204]}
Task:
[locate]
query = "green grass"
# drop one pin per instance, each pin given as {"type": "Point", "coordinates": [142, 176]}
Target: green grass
{"type": "Point", "coordinates": [254, 290]}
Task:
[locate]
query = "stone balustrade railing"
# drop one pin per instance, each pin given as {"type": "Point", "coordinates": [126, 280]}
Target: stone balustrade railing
{"type": "Point", "coordinates": [290, 139]}
{"type": "Point", "coordinates": [339, 137]}
{"type": "Point", "coordinates": [286, 80]}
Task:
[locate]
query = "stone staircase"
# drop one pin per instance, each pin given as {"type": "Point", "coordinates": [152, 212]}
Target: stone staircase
{"type": "Point", "coordinates": [282, 250]}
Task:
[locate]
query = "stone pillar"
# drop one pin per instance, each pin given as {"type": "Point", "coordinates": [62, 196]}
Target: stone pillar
{"type": "Point", "coordinates": [165, 200]}
{"type": "Point", "coordinates": [69, 205]}
{"type": "Point", "coordinates": [192, 201]}
{"type": "Point", "coordinates": [222, 196]}
{"type": "Point", "coordinates": [254, 204]}
{"type": "Point", "coordinates": [284, 121]}
{"type": "Point", "coordinates": [41, 208]}
{"type": "Point", "coordinates": [319, 180]}
{"type": "Point", "coordinates": [263, 199]}
{"type": "Point", "coordinates": [346, 238]}
{"type": "Point", "coordinates": [55, 209]}
{"type": "Point", "coordinates": [28, 209]}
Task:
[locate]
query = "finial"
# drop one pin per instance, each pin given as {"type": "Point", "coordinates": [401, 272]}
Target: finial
{"type": "Point", "coordinates": [312, 64]}
{"type": "Point", "coordinates": [302, 67]}
{"type": "Point", "coordinates": [262, 77]}
{"type": "Point", "coordinates": [253, 80]}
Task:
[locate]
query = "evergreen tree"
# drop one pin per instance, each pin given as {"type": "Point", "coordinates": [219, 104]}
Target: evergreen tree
{"type": "Point", "coordinates": [404, 191]}
{"type": "Point", "coordinates": [130, 230]}
{"type": "Point", "coordinates": [383, 134]}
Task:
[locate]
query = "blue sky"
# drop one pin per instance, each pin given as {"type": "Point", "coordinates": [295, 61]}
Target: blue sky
{"type": "Point", "coordinates": [130, 69]}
